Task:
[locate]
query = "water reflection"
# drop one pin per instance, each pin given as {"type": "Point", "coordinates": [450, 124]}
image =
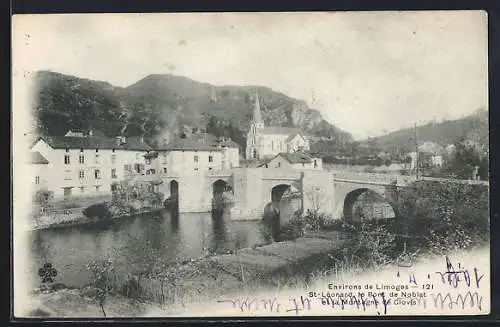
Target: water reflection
{"type": "Point", "coordinates": [136, 243]}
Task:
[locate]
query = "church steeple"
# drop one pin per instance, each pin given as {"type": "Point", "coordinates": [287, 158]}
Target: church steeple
{"type": "Point", "coordinates": [257, 121]}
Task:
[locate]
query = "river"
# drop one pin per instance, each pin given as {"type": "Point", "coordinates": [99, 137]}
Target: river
{"type": "Point", "coordinates": [133, 242]}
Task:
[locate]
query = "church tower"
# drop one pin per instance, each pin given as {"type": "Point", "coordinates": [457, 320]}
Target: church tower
{"type": "Point", "coordinates": [257, 122]}
{"type": "Point", "coordinates": [253, 136]}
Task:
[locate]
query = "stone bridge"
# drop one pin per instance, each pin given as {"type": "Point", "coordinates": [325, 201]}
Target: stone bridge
{"type": "Point", "coordinates": [254, 188]}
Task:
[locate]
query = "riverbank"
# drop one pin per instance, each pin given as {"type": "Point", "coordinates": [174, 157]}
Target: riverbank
{"type": "Point", "coordinates": [75, 217]}
{"type": "Point", "coordinates": [246, 270]}
{"type": "Point", "coordinates": [80, 303]}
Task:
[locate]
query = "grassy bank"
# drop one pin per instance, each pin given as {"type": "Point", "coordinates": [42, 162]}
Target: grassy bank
{"type": "Point", "coordinates": [79, 219]}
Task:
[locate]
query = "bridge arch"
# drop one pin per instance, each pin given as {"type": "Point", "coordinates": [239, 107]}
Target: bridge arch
{"type": "Point", "coordinates": [278, 191]}
{"type": "Point", "coordinates": [222, 195]}
{"type": "Point", "coordinates": [353, 211]}
{"type": "Point", "coordinates": [172, 202]}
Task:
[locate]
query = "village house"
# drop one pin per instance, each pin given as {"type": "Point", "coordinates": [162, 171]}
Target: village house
{"type": "Point", "coordinates": [39, 165]}
{"type": "Point", "coordinates": [296, 160]}
{"type": "Point", "coordinates": [199, 153]}
{"type": "Point", "coordinates": [265, 142]}
{"type": "Point", "coordinates": [91, 163]}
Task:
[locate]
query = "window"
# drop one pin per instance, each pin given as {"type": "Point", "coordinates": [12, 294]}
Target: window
{"type": "Point", "coordinates": [153, 171]}
{"type": "Point", "coordinates": [210, 158]}
{"type": "Point", "coordinates": [164, 158]}
{"type": "Point", "coordinates": [315, 164]}
{"type": "Point", "coordinates": [67, 191]}
{"type": "Point", "coordinates": [113, 150]}
{"type": "Point", "coordinates": [195, 159]}
{"type": "Point", "coordinates": [66, 159]}
{"type": "Point", "coordinates": [67, 150]}
{"type": "Point", "coordinates": [97, 188]}
{"type": "Point", "coordinates": [210, 168]}
{"type": "Point", "coordinates": [67, 175]}
{"type": "Point", "coordinates": [113, 187]}
{"type": "Point", "coordinates": [279, 164]}
{"type": "Point", "coordinates": [81, 150]}
{"type": "Point", "coordinates": [113, 173]}
{"type": "Point", "coordinates": [81, 159]}
{"type": "Point", "coordinates": [164, 170]}
{"type": "Point", "coordinates": [81, 174]}
{"type": "Point", "coordinates": [96, 150]}
{"type": "Point", "coordinates": [82, 189]}
{"type": "Point", "coordinates": [97, 174]}
{"type": "Point", "coordinates": [37, 180]}
{"type": "Point", "coordinates": [196, 169]}
{"type": "Point", "coordinates": [96, 158]}
{"type": "Point", "coordinates": [137, 168]}
{"type": "Point", "coordinates": [127, 168]}
{"type": "Point", "coordinates": [148, 161]}
{"type": "Point", "coordinates": [113, 159]}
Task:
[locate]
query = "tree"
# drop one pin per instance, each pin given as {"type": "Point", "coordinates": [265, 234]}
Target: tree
{"type": "Point", "coordinates": [463, 161]}
{"type": "Point", "coordinates": [43, 198]}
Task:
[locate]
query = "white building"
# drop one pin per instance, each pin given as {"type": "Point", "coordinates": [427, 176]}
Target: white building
{"type": "Point", "coordinates": [297, 160]}
{"type": "Point", "coordinates": [89, 164]}
{"type": "Point", "coordinates": [264, 142]}
{"type": "Point", "coordinates": [199, 153]}
{"type": "Point", "coordinates": [426, 159]}
{"type": "Point", "coordinates": [38, 164]}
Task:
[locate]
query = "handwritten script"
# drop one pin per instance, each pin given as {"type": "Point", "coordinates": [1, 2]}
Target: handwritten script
{"type": "Point", "coordinates": [379, 298]}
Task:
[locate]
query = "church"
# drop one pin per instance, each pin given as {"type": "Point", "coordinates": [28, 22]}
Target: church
{"type": "Point", "coordinates": [265, 142]}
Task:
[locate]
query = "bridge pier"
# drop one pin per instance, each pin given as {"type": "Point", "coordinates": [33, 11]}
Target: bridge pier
{"type": "Point", "coordinates": [317, 191]}
{"type": "Point", "coordinates": [249, 200]}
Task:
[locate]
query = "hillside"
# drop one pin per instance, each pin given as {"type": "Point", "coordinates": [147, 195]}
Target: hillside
{"type": "Point", "coordinates": [473, 128]}
{"type": "Point", "coordinates": [159, 106]}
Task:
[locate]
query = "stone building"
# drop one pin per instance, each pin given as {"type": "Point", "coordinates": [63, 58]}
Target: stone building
{"type": "Point", "coordinates": [295, 160]}
{"type": "Point", "coordinates": [198, 153]}
{"type": "Point", "coordinates": [80, 164]}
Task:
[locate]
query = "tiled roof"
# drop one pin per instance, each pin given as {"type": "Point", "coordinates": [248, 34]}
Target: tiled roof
{"type": "Point", "coordinates": [199, 142]}
{"type": "Point", "coordinates": [212, 140]}
{"type": "Point", "coordinates": [288, 139]}
{"type": "Point", "coordinates": [281, 130]}
{"type": "Point", "coordinates": [151, 154]}
{"type": "Point", "coordinates": [37, 158]}
{"type": "Point", "coordinates": [72, 142]}
{"type": "Point", "coordinates": [295, 157]}
{"type": "Point", "coordinates": [187, 144]}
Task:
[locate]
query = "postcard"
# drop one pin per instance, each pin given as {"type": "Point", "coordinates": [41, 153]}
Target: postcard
{"type": "Point", "coordinates": [250, 164]}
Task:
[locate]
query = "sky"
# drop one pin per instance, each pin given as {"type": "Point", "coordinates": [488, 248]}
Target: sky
{"type": "Point", "coordinates": [368, 73]}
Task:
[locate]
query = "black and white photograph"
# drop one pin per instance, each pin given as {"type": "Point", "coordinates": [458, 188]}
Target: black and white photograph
{"type": "Point", "coordinates": [250, 164]}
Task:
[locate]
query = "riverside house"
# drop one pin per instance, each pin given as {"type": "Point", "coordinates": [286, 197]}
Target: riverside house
{"type": "Point", "coordinates": [197, 154]}
{"type": "Point", "coordinates": [81, 164]}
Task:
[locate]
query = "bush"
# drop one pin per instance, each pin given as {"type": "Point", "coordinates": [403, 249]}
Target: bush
{"type": "Point", "coordinates": [43, 197]}
{"type": "Point", "coordinates": [370, 243]}
{"type": "Point", "coordinates": [101, 280]}
{"type": "Point", "coordinates": [97, 211]}
{"type": "Point", "coordinates": [447, 216]}
{"type": "Point", "coordinates": [302, 223]}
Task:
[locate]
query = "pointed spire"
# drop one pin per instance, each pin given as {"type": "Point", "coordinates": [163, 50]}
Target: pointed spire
{"type": "Point", "coordinates": [257, 118]}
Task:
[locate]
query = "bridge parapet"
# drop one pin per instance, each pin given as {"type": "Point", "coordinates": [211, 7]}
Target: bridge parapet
{"type": "Point", "coordinates": [280, 174]}
{"type": "Point", "coordinates": [377, 178]}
